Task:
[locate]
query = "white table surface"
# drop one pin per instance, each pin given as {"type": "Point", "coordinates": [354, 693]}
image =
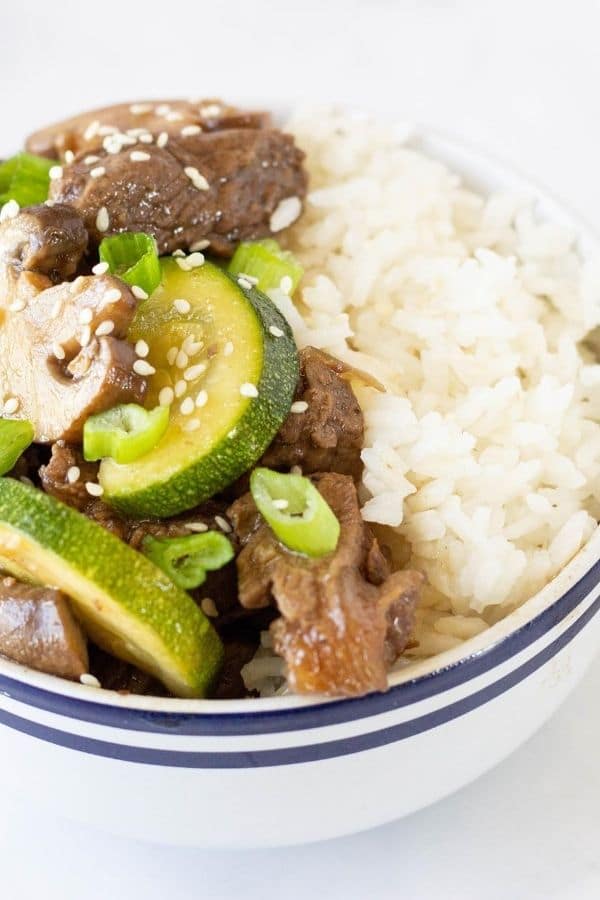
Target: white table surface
{"type": "Point", "coordinates": [521, 78]}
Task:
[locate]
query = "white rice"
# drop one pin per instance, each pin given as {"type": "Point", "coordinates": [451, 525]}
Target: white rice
{"type": "Point", "coordinates": [482, 456]}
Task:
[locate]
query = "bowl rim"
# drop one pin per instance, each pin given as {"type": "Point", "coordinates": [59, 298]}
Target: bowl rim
{"type": "Point", "coordinates": [408, 684]}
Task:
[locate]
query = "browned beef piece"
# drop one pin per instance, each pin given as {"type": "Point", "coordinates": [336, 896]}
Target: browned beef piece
{"type": "Point", "coordinates": [328, 437]}
{"type": "Point", "coordinates": [49, 240]}
{"type": "Point", "coordinates": [116, 675]}
{"type": "Point", "coordinates": [344, 617]}
{"type": "Point", "coordinates": [90, 130]}
{"type": "Point", "coordinates": [221, 187]}
{"type": "Point", "coordinates": [38, 629]}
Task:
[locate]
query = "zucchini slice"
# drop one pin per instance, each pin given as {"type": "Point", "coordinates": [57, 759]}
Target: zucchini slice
{"type": "Point", "coordinates": [126, 604]}
{"type": "Point", "coordinates": [226, 360]}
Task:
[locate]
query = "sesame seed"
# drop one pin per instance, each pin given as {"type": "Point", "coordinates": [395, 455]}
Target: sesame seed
{"type": "Point", "coordinates": [100, 268]}
{"type": "Point", "coordinates": [162, 109]}
{"type": "Point", "coordinates": [201, 399]}
{"type": "Point", "coordinates": [177, 253]}
{"type": "Point", "coordinates": [85, 336]}
{"type": "Point", "coordinates": [17, 305]}
{"type": "Point", "coordinates": [187, 407]}
{"type": "Point", "coordinates": [248, 390]}
{"type": "Point", "coordinates": [243, 282]}
{"type": "Point", "coordinates": [113, 295]}
{"type": "Point", "coordinates": [191, 425]}
{"type": "Point", "coordinates": [90, 160]}
{"type": "Point", "coordinates": [138, 109]}
{"type": "Point", "coordinates": [194, 371]}
{"type": "Point", "coordinates": [162, 140]}
{"type": "Point", "coordinates": [197, 179]}
{"type": "Point", "coordinates": [286, 284]}
{"type": "Point", "coordinates": [199, 527]}
{"type": "Point", "coordinates": [189, 130]}
{"type": "Point", "coordinates": [182, 263]}
{"type": "Point", "coordinates": [182, 360]}
{"type": "Point", "coordinates": [146, 137]}
{"type": "Point", "coordinates": [207, 605]}
{"type": "Point", "coordinates": [98, 172]}
{"type": "Point", "coordinates": [211, 109]}
{"type": "Point", "coordinates": [104, 130]}
{"type": "Point", "coordinates": [199, 245]}
{"type": "Point", "coordinates": [138, 292]}
{"type": "Point", "coordinates": [275, 331]}
{"type": "Point", "coordinates": [91, 131]}
{"type": "Point", "coordinates": [139, 156]}
{"type": "Point", "coordinates": [105, 328]}
{"type": "Point", "coordinates": [195, 259]}
{"type": "Point", "coordinates": [141, 367]}
{"type": "Point", "coordinates": [251, 278]}
{"type": "Point", "coordinates": [73, 473]}
{"type": "Point", "coordinates": [86, 315]}
{"type": "Point", "coordinates": [223, 524]}
{"type": "Point", "coordinates": [228, 349]}
{"type": "Point", "coordinates": [11, 406]}
{"type": "Point", "coordinates": [299, 406]}
{"type": "Point", "coordinates": [165, 396]}
{"type": "Point", "coordinates": [180, 387]}
{"type": "Point", "coordinates": [296, 470]}
{"type": "Point", "coordinates": [10, 209]}
{"type": "Point", "coordinates": [102, 219]}
{"type": "Point", "coordinates": [69, 157]}
{"type": "Point", "coordinates": [191, 346]}
{"type": "Point", "coordinates": [280, 503]}
{"type": "Point", "coordinates": [76, 285]}
{"type": "Point", "coordinates": [89, 680]}
{"type": "Point", "coordinates": [93, 489]}
{"type": "Point", "coordinates": [142, 348]}
{"type": "Point", "coordinates": [182, 306]}
{"type": "Point", "coordinates": [172, 355]}
{"type": "Point", "coordinates": [286, 212]}
{"type": "Point", "coordinates": [58, 351]}
{"type": "Point", "coordinates": [55, 173]}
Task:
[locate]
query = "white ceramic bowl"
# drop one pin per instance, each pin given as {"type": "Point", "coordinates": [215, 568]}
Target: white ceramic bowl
{"type": "Point", "coordinates": [289, 770]}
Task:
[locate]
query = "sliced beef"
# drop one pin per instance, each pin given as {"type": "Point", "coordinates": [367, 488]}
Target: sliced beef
{"type": "Point", "coordinates": [329, 435]}
{"type": "Point", "coordinates": [220, 186]}
{"type": "Point", "coordinates": [344, 617]}
{"type": "Point", "coordinates": [48, 240]}
{"type": "Point", "coordinates": [38, 629]}
{"type": "Point", "coordinates": [114, 124]}
{"type": "Point", "coordinates": [117, 675]}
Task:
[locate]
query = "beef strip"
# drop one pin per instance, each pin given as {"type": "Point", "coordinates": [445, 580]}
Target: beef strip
{"type": "Point", "coordinates": [91, 130]}
{"type": "Point", "coordinates": [344, 617]}
{"type": "Point", "coordinates": [329, 436]}
{"type": "Point", "coordinates": [38, 629]}
{"type": "Point", "coordinates": [221, 186]}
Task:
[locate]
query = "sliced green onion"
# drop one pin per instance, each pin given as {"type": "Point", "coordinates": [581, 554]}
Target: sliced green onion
{"type": "Point", "coordinates": [124, 432]}
{"type": "Point", "coordinates": [266, 261]}
{"type": "Point", "coordinates": [15, 436]}
{"type": "Point", "coordinates": [134, 258]}
{"type": "Point", "coordinates": [296, 512]}
{"type": "Point", "coordinates": [25, 178]}
{"type": "Point", "coordinates": [186, 560]}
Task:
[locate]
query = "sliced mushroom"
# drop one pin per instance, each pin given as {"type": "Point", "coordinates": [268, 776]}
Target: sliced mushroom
{"type": "Point", "coordinates": [53, 366]}
{"type": "Point", "coordinates": [49, 240]}
{"type": "Point", "coordinates": [127, 121]}
{"type": "Point", "coordinates": [38, 629]}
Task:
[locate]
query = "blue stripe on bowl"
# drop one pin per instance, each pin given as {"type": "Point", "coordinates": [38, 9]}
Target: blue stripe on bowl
{"type": "Point", "coordinates": [308, 753]}
{"type": "Point", "coordinates": [316, 715]}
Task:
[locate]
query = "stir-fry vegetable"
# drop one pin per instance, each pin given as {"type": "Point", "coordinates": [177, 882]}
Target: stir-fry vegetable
{"type": "Point", "coordinates": [25, 178]}
{"type": "Point", "coordinates": [186, 560]}
{"type": "Point", "coordinates": [267, 262]}
{"type": "Point", "coordinates": [15, 437]}
{"type": "Point", "coordinates": [134, 258]}
{"type": "Point", "coordinates": [124, 433]}
{"type": "Point", "coordinates": [296, 512]}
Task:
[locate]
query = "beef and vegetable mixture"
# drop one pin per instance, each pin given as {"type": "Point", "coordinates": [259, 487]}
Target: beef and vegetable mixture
{"type": "Point", "coordinates": [179, 480]}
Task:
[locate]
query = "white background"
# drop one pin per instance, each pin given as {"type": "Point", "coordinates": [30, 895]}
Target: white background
{"type": "Point", "coordinates": [520, 78]}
